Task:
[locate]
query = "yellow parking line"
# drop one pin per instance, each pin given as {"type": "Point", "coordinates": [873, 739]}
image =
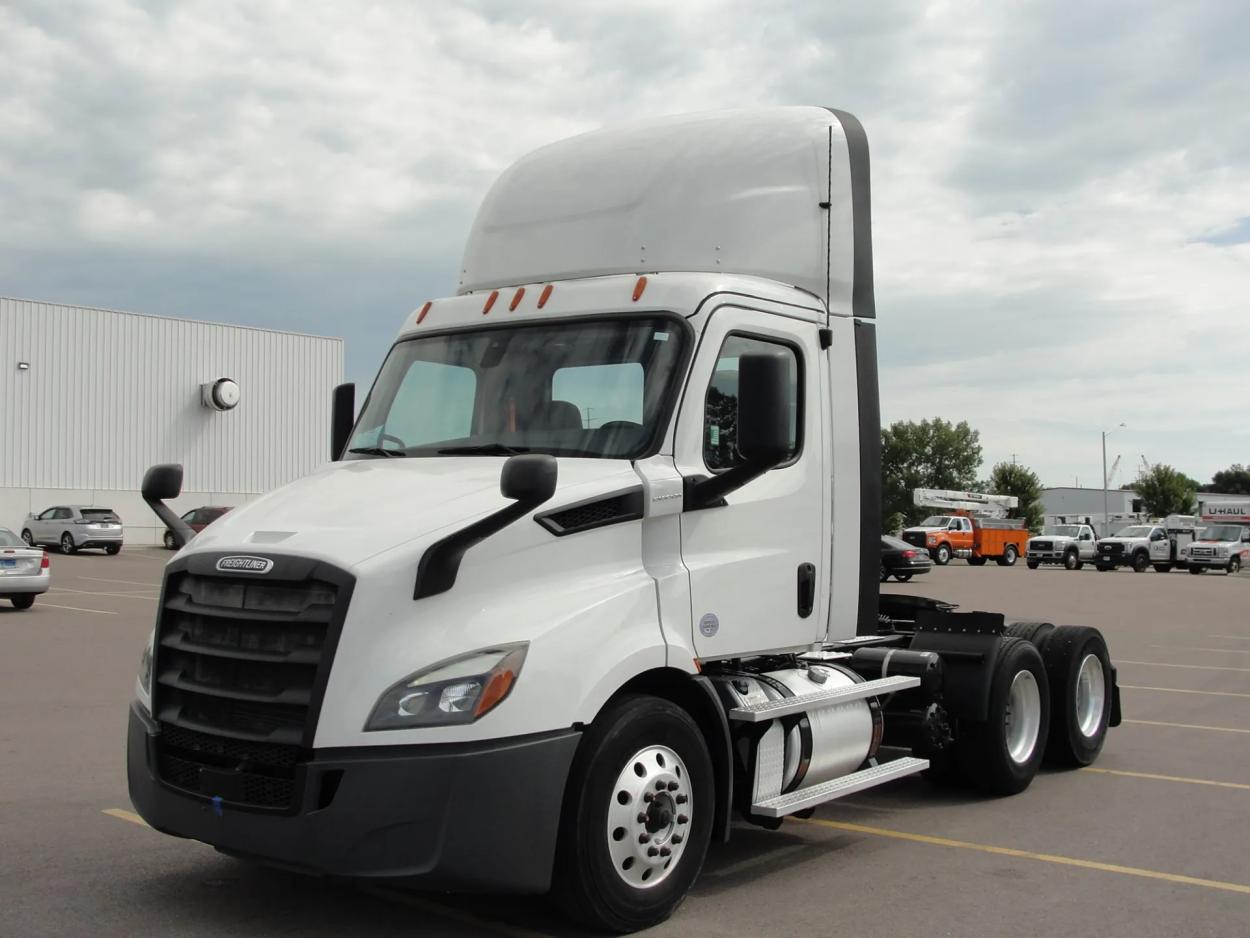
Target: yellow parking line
{"type": "Point", "coordinates": [101, 612]}
{"type": "Point", "coordinates": [1237, 651]}
{"type": "Point", "coordinates": [125, 815]}
{"type": "Point", "coordinates": [1166, 778]}
{"type": "Point", "coordinates": [1188, 726]}
{"type": "Point", "coordinates": [1029, 855]}
{"type": "Point", "coordinates": [1190, 667]}
{"type": "Point", "coordinates": [1178, 690]}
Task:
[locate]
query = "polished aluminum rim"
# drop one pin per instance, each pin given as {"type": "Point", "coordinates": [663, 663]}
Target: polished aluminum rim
{"type": "Point", "coordinates": [1091, 696]}
{"type": "Point", "coordinates": [649, 817]}
{"type": "Point", "coordinates": [1022, 720]}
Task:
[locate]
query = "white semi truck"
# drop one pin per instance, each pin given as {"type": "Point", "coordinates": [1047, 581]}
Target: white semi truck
{"type": "Point", "coordinates": [595, 570]}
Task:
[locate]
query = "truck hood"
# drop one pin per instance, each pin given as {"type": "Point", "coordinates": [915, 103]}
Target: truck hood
{"type": "Point", "coordinates": [349, 511]}
{"type": "Point", "coordinates": [1053, 538]}
{"type": "Point", "coordinates": [920, 530]}
{"type": "Point", "coordinates": [1121, 540]}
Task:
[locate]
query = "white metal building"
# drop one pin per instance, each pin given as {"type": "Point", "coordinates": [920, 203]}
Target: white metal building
{"type": "Point", "coordinates": [90, 398]}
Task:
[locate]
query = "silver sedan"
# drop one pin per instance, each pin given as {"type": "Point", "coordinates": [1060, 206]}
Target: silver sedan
{"type": "Point", "coordinates": [24, 571]}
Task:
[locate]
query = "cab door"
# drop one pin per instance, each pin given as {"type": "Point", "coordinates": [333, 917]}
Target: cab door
{"type": "Point", "coordinates": [758, 564]}
{"type": "Point", "coordinates": [1160, 546]}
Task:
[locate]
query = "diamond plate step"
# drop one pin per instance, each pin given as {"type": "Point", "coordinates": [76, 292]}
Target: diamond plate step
{"type": "Point", "coordinates": [838, 787]}
{"type": "Point", "coordinates": [758, 713]}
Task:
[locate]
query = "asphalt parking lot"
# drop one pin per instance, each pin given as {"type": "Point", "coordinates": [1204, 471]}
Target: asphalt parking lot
{"type": "Point", "coordinates": [1154, 839]}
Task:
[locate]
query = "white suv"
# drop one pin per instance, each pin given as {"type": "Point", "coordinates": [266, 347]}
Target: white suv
{"type": "Point", "coordinates": [74, 527]}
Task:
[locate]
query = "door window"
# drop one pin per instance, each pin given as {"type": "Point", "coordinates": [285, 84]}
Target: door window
{"type": "Point", "coordinates": [49, 514]}
{"type": "Point", "coordinates": [63, 514]}
{"type": "Point", "coordinates": [720, 409]}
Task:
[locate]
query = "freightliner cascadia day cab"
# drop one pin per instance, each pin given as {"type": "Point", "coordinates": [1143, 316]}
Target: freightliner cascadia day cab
{"type": "Point", "coordinates": [594, 572]}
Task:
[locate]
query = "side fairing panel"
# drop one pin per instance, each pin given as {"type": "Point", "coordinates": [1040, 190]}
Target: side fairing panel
{"type": "Point", "coordinates": [845, 481]}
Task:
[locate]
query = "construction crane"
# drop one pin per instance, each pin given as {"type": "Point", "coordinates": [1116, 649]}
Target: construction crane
{"type": "Point", "coordinates": [1145, 464]}
{"type": "Point", "coordinates": [1111, 475]}
{"type": "Point", "coordinates": [975, 503]}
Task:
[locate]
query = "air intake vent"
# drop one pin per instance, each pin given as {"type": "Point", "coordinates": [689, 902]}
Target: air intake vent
{"type": "Point", "coordinates": [584, 516]}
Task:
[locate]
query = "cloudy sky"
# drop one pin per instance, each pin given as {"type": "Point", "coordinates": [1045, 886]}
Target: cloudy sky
{"type": "Point", "coordinates": [1061, 190]}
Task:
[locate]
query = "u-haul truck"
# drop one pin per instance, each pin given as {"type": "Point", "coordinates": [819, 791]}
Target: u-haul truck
{"type": "Point", "coordinates": [594, 571]}
{"type": "Point", "coordinates": [1223, 543]}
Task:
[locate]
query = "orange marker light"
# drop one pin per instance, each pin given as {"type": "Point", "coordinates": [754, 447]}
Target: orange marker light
{"type": "Point", "coordinates": [516, 299]}
{"type": "Point", "coordinates": [639, 287]}
{"type": "Point", "coordinates": [544, 296]}
{"type": "Point", "coordinates": [490, 301]}
{"type": "Point", "coordinates": [424, 309]}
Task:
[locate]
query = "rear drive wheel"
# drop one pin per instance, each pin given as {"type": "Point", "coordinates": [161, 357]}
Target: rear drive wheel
{"type": "Point", "coordinates": [1001, 755]}
{"type": "Point", "coordinates": [1071, 560]}
{"type": "Point", "coordinates": [1078, 669]}
{"type": "Point", "coordinates": [1196, 570]}
{"type": "Point", "coordinates": [1008, 559]}
{"type": "Point", "coordinates": [67, 543]}
{"type": "Point", "coordinates": [942, 556]}
{"type": "Point", "coordinates": [113, 549]}
{"type": "Point", "coordinates": [28, 537]}
{"type": "Point", "coordinates": [1234, 565]}
{"type": "Point", "coordinates": [1163, 568]}
{"type": "Point", "coordinates": [637, 818]}
{"type": "Point", "coordinates": [23, 600]}
{"type": "Point", "coordinates": [1032, 632]}
{"type": "Point", "coordinates": [1141, 562]}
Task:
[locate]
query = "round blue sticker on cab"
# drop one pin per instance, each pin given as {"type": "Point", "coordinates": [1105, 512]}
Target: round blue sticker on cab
{"type": "Point", "coordinates": [709, 625]}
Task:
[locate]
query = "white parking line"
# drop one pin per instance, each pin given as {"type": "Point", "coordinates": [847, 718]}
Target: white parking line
{"type": "Point", "coordinates": [130, 595]}
{"type": "Point", "coordinates": [1240, 638]}
{"type": "Point", "coordinates": [1235, 651]}
{"type": "Point", "coordinates": [1178, 690]}
{"type": "Point", "coordinates": [99, 612]}
{"type": "Point", "coordinates": [1191, 667]}
{"type": "Point", "coordinates": [100, 579]}
{"type": "Point", "coordinates": [1188, 726]}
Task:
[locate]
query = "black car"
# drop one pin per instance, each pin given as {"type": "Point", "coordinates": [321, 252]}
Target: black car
{"type": "Point", "coordinates": [902, 560]}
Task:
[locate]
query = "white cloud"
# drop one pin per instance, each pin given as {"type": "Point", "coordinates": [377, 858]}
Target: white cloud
{"type": "Point", "coordinates": [1057, 189]}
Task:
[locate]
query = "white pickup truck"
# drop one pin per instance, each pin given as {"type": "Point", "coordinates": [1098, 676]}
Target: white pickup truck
{"type": "Point", "coordinates": [1068, 544]}
{"type": "Point", "coordinates": [1161, 544]}
{"type": "Point", "coordinates": [1219, 547]}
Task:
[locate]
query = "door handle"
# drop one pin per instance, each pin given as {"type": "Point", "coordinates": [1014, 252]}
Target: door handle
{"type": "Point", "coordinates": [807, 589]}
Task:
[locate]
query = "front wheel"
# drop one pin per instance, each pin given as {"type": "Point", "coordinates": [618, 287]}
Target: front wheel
{"type": "Point", "coordinates": [1196, 570]}
{"type": "Point", "coordinates": [1032, 564]}
{"type": "Point", "coordinates": [1234, 565]}
{"type": "Point", "coordinates": [169, 541]}
{"type": "Point", "coordinates": [28, 537]}
{"type": "Point", "coordinates": [1071, 561]}
{"type": "Point", "coordinates": [902, 577]}
{"type": "Point", "coordinates": [638, 816]}
{"type": "Point", "coordinates": [1141, 563]}
{"type": "Point", "coordinates": [1008, 559]}
{"type": "Point", "coordinates": [942, 556]}
{"type": "Point", "coordinates": [67, 543]}
{"type": "Point", "coordinates": [23, 600]}
{"type": "Point", "coordinates": [1001, 755]}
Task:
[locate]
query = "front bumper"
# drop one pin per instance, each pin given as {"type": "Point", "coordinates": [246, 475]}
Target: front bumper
{"type": "Point", "coordinates": [1046, 556]}
{"type": "Point", "coordinates": [480, 816]}
{"type": "Point", "coordinates": [32, 583]}
{"type": "Point", "coordinates": [1217, 563]}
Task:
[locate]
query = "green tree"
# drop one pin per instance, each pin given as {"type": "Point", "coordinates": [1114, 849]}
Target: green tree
{"type": "Point", "coordinates": [1235, 480]}
{"type": "Point", "coordinates": [1165, 491]}
{"type": "Point", "coordinates": [931, 454]}
{"type": "Point", "coordinates": [1009, 478]}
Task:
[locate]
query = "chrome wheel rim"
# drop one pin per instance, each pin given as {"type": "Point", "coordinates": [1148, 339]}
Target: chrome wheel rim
{"type": "Point", "coordinates": [28, 538]}
{"type": "Point", "coordinates": [649, 817]}
{"type": "Point", "coordinates": [67, 543]}
{"type": "Point", "coordinates": [1022, 720]}
{"type": "Point", "coordinates": [1091, 696]}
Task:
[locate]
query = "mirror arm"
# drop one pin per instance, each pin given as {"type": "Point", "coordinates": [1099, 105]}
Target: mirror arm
{"type": "Point", "coordinates": [699, 492]}
{"type": "Point", "coordinates": [165, 481]}
{"type": "Point", "coordinates": [177, 527]}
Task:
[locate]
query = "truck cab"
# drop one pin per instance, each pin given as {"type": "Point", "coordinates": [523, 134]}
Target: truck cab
{"type": "Point", "coordinates": [594, 570]}
{"type": "Point", "coordinates": [943, 536]}
{"type": "Point", "coordinates": [1071, 545]}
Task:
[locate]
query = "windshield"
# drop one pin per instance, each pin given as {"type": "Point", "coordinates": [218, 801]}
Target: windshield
{"type": "Point", "coordinates": [601, 388]}
{"type": "Point", "coordinates": [1063, 530]}
{"type": "Point", "coordinates": [935, 521]}
{"type": "Point", "coordinates": [1135, 531]}
{"type": "Point", "coordinates": [1221, 532]}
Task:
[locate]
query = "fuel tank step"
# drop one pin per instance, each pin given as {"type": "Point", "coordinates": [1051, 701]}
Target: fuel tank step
{"type": "Point", "coordinates": [758, 713]}
{"type": "Point", "coordinates": [803, 798]}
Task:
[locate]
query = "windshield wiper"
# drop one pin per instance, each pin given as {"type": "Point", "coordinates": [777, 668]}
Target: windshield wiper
{"type": "Point", "coordinates": [376, 451]}
{"type": "Point", "coordinates": [484, 449]}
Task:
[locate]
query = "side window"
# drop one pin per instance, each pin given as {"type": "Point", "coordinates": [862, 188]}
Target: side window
{"type": "Point", "coordinates": [434, 402]}
{"type": "Point", "coordinates": [48, 515]}
{"type": "Point", "coordinates": [64, 514]}
{"type": "Point", "coordinates": [720, 407]}
{"type": "Point", "coordinates": [602, 394]}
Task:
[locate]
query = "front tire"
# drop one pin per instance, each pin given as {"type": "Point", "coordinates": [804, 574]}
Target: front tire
{"type": "Point", "coordinates": [67, 544]}
{"type": "Point", "coordinates": [1078, 668]}
{"type": "Point", "coordinates": [942, 556]}
{"type": "Point", "coordinates": [637, 816]}
{"type": "Point", "coordinates": [22, 600]}
{"type": "Point", "coordinates": [28, 537]}
{"type": "Point", "coordinates": [1001, 755]}
{"type": "Point", "coordinates": [169, 541]}
{"type": "Point", "coordinates": [1163, 568]}
{"type": "Point", "coordinates": [1141, 562]}
{"type": "Point", "coordinates": [902, 577]}
{"type": "Point", "coordinates": [1234, 565]}
{"type": "Point", "coordinates": [1197, 570]}
{"type": "Point", "coordinates": [1071, 561]}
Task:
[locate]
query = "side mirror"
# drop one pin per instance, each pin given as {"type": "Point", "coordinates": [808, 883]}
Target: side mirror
{"type": "Point", "coordinates": [764, 408]}
{"type": "Point", "coordinates": [529, 478]}
{"type": "Point", "coordinates": [342, 418]}
{"type": "Point", "coordinates": [162, 482]}
{"type": "Point", "coordinates": [159, 483]}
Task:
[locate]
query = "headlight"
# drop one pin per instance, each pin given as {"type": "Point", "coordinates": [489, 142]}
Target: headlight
{"type": "Point", "coordinates": [458, 690]}
{"type": "Point", "coordinates": [931, 539]}
{"type": "Point", "coordinates": [145, 672]}
{"type": "Point", "coordinates": [1221, 551]}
